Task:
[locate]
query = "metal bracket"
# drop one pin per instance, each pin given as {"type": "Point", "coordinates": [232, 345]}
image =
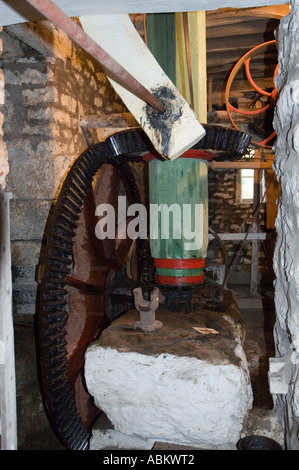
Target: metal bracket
{"type": "Point", "coordinates": [147, 310]}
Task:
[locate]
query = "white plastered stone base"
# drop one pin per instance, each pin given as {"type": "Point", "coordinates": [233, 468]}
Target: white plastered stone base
{"type": "Point", "coordinates": [166, 398]}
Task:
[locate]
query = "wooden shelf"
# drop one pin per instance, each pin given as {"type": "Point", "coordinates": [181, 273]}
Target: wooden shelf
{"type": "Point", "coordinates": [250, 164]}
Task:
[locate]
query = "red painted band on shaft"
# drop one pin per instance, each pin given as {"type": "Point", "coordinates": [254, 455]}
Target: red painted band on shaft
{"type": "Point", "coordinates": [192, 153]}
{"type": "Point", "coordinates": [172, 280]}
{"type": "Point", "coordinates": [179, 263]}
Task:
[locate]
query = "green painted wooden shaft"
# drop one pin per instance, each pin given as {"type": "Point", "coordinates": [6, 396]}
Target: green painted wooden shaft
{"type": "Point", "coordinates": [178, 196]}
{"type": "Point", "coordinates": [161, 41]}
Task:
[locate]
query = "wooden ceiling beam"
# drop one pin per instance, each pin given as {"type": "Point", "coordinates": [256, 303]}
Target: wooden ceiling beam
{"type": "Point", "coordinates": [19, 11]}
{"type": "Point", "coordinates": [255, 26]}
{"type": "Point", "coordinates": [271, 11]}
{"type": "Point", "coordinates": [213, 21]}
{"type": "Point", "coordinates": [219, 82]}
{"type": "Point", "coordinates": [230, 57]}
{"type": "Point", "coordinates": [257, 72]}
{"type": "Point", "coordinates": [244, 43]}
{"type": "Point", "coordinates": [218, 98]}
{"type": "Point", "coordinates": [243, 85]}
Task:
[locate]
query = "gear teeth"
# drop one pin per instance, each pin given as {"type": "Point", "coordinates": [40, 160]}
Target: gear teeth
{"type": "Point", "coordinates": [76, 195]}
{"type": "Point", "coordinates": [65, 229]}
{"type": "Point", "coordinates": [61, 261]}
{"type": "Point", "coordinates": [58, 269]}
{"type": "Point", "coordinates": [221, 138]}
{"type": "Point", "coordinates": [71, 204]}
{"type": "Point", "coordinates": [81, 180]}
{"type": "Point", "coordinates": [66, 220]}
{"type": "Point", "coordinates": [132, 143]}
{"type": "Point", "coordinates": [55, 316]}
{"type": "Point", "coordinates": [62, 238]}
{"type": "Point", "coordinates": [56, 378]}
{"type": "Point", "coordinates": [65, 248]}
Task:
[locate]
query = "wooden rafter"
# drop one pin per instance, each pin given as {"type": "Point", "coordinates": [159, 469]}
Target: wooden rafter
{"type": "Point", "coordinates": [272, 11]}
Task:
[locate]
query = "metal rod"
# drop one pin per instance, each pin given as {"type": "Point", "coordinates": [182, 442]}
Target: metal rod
{"type": "Point", "coordinates": [53, 13]}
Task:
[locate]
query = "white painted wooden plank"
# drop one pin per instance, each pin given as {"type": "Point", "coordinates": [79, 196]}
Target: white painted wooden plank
{"type": "Point", "coordinates": [18, 11]}
{"type": "Point", "coordinates": [171, 135]}
{"type": "Point", "coordinates": [8, 417]}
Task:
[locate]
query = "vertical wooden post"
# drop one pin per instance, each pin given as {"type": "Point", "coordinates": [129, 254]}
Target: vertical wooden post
{"type": "Point", "coordinates": [197, 22]}
{"type": "Point", "coordinates": [8, 418]}
{"type": "Point", "coordinates": [255, 228]}
{"type": "Point", "coordinates": [181, 81]}
{"type": "Point", "coordinates": [197, 31]}
{"type": "Point", "coordinates": [210, 94]}
{"type": "Point", "coordinates": [161, 41]}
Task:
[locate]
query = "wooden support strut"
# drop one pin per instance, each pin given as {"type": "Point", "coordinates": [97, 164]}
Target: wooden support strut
{"type": "Point", "coordinates": [188, 56]}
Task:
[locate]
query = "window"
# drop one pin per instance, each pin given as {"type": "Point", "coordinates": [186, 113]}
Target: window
{"type": "Point", "coordinates": [246, 179]}
{"type": "Point", "coordinates": [247, 185]}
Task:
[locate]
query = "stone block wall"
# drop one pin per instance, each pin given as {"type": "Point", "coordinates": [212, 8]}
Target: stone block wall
{"type": "Point", "coordinates": [228, 215]}
{"type": "Point", "coordinates": [44, 99]}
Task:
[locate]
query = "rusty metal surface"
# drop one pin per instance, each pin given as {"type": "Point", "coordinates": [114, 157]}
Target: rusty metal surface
{"type": "Point", "coordinates": [147, 310]}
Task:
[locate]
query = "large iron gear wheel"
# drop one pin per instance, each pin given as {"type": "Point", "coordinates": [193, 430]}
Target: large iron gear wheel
{"type": "Point", "coordinates": [75, 268]}
{"type": "Point", "coordinates": [71, 310]}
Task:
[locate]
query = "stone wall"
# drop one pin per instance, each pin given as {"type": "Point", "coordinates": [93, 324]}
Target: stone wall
{"type": "Point", "coordinates": [228, 215]}
{"type": "Point", "coordinates": [286, 261]}
{"type": "Point", "coordinates": [45, 97]}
